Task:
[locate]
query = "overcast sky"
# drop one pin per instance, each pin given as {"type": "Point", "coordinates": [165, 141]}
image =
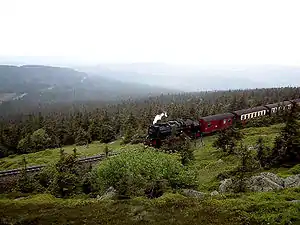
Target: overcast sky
{"type": "Point", "coordinates": [177, 32]}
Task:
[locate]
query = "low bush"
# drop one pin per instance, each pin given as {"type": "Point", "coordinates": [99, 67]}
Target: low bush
{"type": "Point", "coordinates": [62, 179]}
{"type": "Point", "coordinates": [295, 169]}
{"type": "Point", "coordinates": [143, 173]}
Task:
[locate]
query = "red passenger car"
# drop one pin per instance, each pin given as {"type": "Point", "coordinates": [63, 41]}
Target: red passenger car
{"type": "Point", "coordinates": [210, 124]}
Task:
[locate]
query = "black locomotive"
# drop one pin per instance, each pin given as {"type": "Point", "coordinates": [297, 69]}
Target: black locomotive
{"type": "Point", "coordinates": [160, 131]}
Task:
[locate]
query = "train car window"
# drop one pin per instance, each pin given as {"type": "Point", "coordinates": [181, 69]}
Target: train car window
{"type": "Point", "coordinates": [224, 121]}
{"type": "Point", "coordinates": [209, 125]}
{"type": "Point", "coordinates": [229, 120]}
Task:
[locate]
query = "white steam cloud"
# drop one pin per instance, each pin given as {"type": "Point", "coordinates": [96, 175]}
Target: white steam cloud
{"type": "Point", "coordinates": [159, 116]}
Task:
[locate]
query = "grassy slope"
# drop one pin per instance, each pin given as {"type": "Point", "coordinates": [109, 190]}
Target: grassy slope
{"type": "Point", "coordinates": [204, 155]}
{"type": "Point", "coordinates": [51, 155]}
{"type": "Point", "coordinates": [209, 165]}
{"type": "Point", "coordinates": [251, 208]}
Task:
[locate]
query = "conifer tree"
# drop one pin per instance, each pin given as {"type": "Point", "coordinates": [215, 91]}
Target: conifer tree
{"type": "Point", "coordinates": [130, 126]}
{"type": "Point", "coordinates": [247, 165]}
{"type": "Point", "coordinates": [287, 145]}
{"type": "Point", "coordinates": [82, 137]}
{"type": "Point", "coordinates": [107, 133]}
{"type": "Point", "coordinates": [227, 139]}
{"type": "Point", "coordinates": [262, 152]}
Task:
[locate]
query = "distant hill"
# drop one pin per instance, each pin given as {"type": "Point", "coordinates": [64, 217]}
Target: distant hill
{"type": "Point", "coordinates": [201, 78]}
{"type": "Point", "coordinates": [45, 84]}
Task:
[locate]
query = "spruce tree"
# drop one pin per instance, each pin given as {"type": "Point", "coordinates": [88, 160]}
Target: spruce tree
{"type": "Point", "coordinates": [261, 151]}
{"type": "Point", "coordinates": [247, 165]}
{"type": "Point", "coordinates": [107, 134]}
{"type": "Point", "coordinates": [130, 128]}
{"type": "Point", "coordinates": [287, 145]}
{"type": "Point", "coordinates": [82, 137]}
{"type": "Point", "coordinates": [227, 139]}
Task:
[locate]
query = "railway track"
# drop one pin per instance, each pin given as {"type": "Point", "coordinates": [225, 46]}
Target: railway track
{"type": "Point", "coordinates": [90, 159]}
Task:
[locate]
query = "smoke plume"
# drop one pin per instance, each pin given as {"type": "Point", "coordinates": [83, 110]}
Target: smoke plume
{"type": "Point", "coordinates": [159, 116]}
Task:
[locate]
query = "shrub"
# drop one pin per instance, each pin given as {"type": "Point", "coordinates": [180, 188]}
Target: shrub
{"type": "Point", "coordinates": [295, 169]}
{"type": "Point", "coordinates": [143, 172]}
{"type": "Point", "coordinates": [27, 184]}
{"type": "Point", "coordinates": [180, 145]}
{"type": "Point", "coordinates": [62, 178]}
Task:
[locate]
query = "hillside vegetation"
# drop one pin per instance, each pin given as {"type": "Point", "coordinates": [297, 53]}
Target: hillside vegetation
{"type": "Point", "coordinates": [176, 184]}
{"type": "Point", "coordinates": [51, 155]}
{"type": "Point", "coordinates": [254, 208]}
{"type": "Point", "coordinates": [172, 207]}
{"type": "Point", "coordinates": [68, 124]}
{"type": "Point", "coordinates": [204, 154]}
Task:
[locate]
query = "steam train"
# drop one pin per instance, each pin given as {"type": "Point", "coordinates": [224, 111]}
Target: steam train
{"type": "Point", "coordinates": [158, 132]}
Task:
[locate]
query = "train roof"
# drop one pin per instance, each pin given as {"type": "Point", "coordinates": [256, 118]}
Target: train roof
{"type": "Point", "coordinates": [217, 117]}
{"type": "Point", "coordinates": [250, 110]}
{"type": "Point", "coordinates": [296, 100]}
{"type": "Point", "coordinates": [278, 104]}
{"type": "Point", "coordinates": [272, 105]}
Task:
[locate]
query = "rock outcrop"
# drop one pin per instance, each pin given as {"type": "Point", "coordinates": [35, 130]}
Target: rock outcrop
{"type": "Point", "coordinates": [194, 194]}
{"type": "Point", "coordinates": [109, 194]}
{"type": "Point", "coordinates": [214, 193]}
{"type": "Point", "coordinates": [226, 186]}
{"type": "Point", "coordinates": [292, 181]}
{"type": "Point", "coordinates": [273, 177]}
{"type": "Point", "coordinates": [262, 183]}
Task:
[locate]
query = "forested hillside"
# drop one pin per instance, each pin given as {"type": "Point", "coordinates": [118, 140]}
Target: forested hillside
{"type": "Point", "coordinates": [66, 124]}
{"type": "Point", "coordinates": [239, 176]}
{"type": "Point", "coordinates": [25, 87]}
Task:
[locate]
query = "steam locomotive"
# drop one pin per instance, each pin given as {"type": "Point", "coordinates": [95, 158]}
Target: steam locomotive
{"type": "Point", "coordinates": [158, 132]}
